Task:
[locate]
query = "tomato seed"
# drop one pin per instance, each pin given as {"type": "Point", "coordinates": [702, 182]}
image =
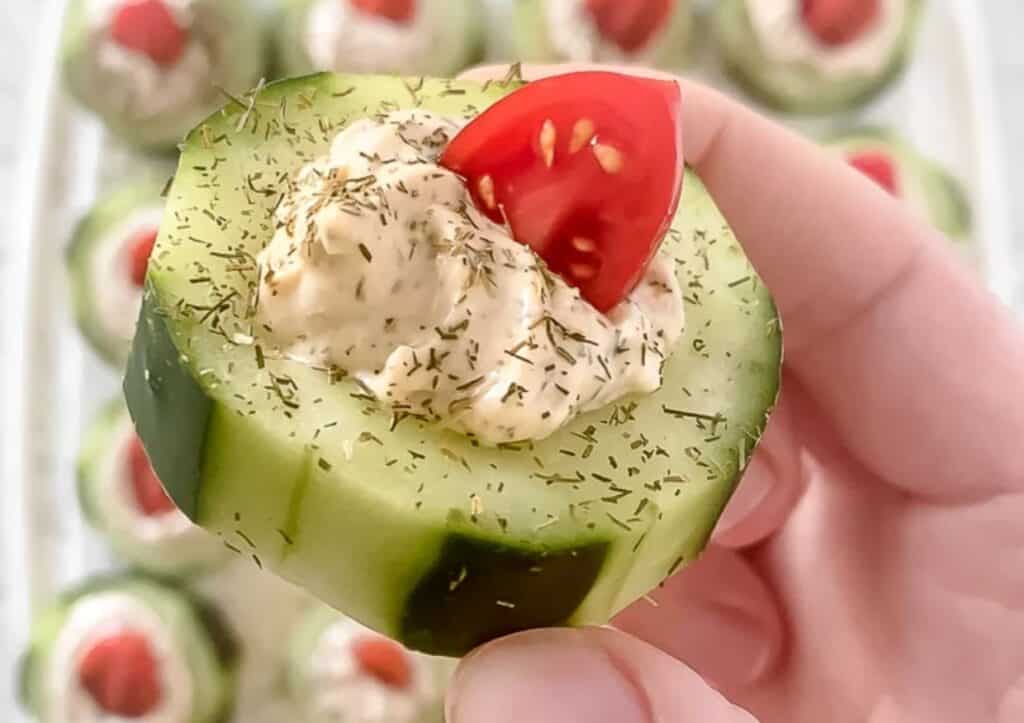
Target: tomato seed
{"type": "Point", "coordinates": [486, 188]}
{"type": "Point", "coordinates": [548, 136]}
{"type": "Point", "coordinates": [610, 159]}
{"type": "Point", "coordinates": [582, 133]}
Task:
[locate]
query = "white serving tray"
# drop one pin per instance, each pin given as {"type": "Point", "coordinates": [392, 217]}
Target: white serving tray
{"type": "Point", "coordinates": [54, 384]}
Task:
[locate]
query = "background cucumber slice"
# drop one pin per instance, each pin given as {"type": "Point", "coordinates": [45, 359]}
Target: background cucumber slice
{"type": "Point", "coordinates": [800, 87]}
{"type": "Point", "coordinates": [105, 224]}
{"type": "Point", "coordinates": [931, 190]}
{"type": "Point", "coordinates": [415, 531]}
{"type": "Point", "coordinates": [233, 28]}
{"type": "Point", "coordinates": [458, 39]}
{"type": "Point", "coordinates": [201, 636]}
{"type": "Point", "coordinates": [184, 553]}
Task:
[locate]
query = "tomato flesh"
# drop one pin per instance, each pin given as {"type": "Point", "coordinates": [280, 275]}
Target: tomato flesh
{"type": "Point", "coordinates": [397, 11]}
{"type": "Point", "coordinates": [140, 246]}
{"type": "Point", "coordinates": [120, 672]}
{"type": "Point", "coordinates": [150, 497]}
{"type": "Point", "coordinates": [150, 28]}
{"type": "Point", "coordinates": [838, 22]}
{"type": "Point", "coordinates": [630, 24]}
{"type": "Point", "coordinates": [879, 167]}
{"type": "Point", "coordinates": [586, 169]}
{"type": "Point", "coordinates": [384, 659]}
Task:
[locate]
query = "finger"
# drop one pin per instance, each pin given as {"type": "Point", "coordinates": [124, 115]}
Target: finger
{"type": "Point", "coordinates": [717, 616]}
{"type": "Point", "coordinates": [912, 361]}
{"type": "Point", "coordinates": [771, 486]}
{"type": "Point", "coordinates": [594, 674]}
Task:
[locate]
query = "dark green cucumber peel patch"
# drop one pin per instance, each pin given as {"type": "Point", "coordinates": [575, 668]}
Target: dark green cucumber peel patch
{"type": "Point", "coordinates": [480, 590]}
{"type": "Point", "coordinates": [170, 410]}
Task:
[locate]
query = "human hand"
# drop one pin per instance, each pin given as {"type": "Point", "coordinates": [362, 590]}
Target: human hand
{"type": "Point", "coordinates": [883, 582]}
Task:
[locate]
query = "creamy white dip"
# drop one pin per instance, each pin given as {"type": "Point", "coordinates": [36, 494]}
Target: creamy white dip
{"type": "Point", "coordinates": [117, 299]}
{"type": "Point", "coordinates": [134, 84]}
{"type": "Point", "coordinates": [574, 35]}
{"type": "Point", "coordinates": [339, 691]}
{"type": "Point", "coordinates": [382, 266]}
{"type": "Point", "coordinates": [98, 616]}
{"type": "Point", "coordinates": [342, 38]}
{"type": "Point", "coordinates": [785, 38]}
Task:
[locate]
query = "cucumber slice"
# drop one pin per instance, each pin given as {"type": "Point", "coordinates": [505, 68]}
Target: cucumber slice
{"type": "Point", "coordinates": [928, 188]}
{"type": "Point", "coordinates": [165, 545]}
{"type": "Point", "coordinates": [445, 37]}
{"type": "Point", "coordinates": [104, 298]}
{"type": "Point", "coordinates": [800, 87]}
{"type": "Point", "coordinates": [196, 640]}
{"type": "Point", "coordinates": [154, 109]}
{"type": "Point", "coordinates": [535, 38]}
{"type": "Point", "coordinates": [324, 680]}
{"type": "Point", "coordinates": [416, 532]}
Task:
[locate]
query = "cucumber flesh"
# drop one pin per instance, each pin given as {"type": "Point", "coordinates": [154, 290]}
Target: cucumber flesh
{"type": "Point", "coordinates": [414, 531]}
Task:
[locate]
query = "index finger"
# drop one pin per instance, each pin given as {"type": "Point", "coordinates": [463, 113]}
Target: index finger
{"type": "Point", "coordinates": [908, 357]}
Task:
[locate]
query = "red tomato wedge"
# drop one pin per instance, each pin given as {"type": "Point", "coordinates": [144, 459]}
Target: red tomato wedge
{"type": "Point", "coordinates": [879, 167]}
{"type": "Point", "coordinates": [384, 659]}
{"type": "Point", "coordinates": [140, 246]}
{"type": "Point", "coordinates": [837, 22]}
{"type": "Point", "coordinates": [149, 27]}
{"type": "Point", "coordinates": [630, 24]}
{"type": "Point", "coordinates": [586, 168]}
{"type": "Point", "coordinates": [149, 493]}
{"type": "Point", "coordinates": [121, 674]}
{"type": "Point", "coordinates": [397, 11]}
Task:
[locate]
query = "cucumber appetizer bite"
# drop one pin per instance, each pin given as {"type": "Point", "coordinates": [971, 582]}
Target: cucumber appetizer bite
{"type": "Point", "coordinates": [656, 33]}
{"type": "Point", "coordinates": [924, 186]}
{"type": "Point", "coordinates": [120, 648]}
{"type": "Point", "coordinates": [152, 69]}
{"type": "Point", "coordinates": [121, 497]}
{"type": "Point", "coordinates": [436, 37]}
{"type": "Point", "coordinates": [816, 56]}
{"type": "Point", "coordinates": [342, 672]}
{"type": "Point", "coordinates": [459, 369]}
{"type": "Point", "coordinates": [106, 262]}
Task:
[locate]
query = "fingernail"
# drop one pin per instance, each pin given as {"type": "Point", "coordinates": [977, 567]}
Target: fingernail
{"type": "Point", "coordinates": [542, 677]}
{"type": "Point", "coordinates": [758, 482]}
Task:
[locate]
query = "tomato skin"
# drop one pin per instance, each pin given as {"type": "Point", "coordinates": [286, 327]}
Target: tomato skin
{"type": "Point", "coordinates": [120, 672]}
{"type": "Point", "coordinates": [140, 246]}
{"type": "Point", "coordinates": [397, 11]}
{"type": "Point", "coordinates": [384, 659]}
{"type": "Point", "coordinates": [148, 491]}
{"type": "Point", "coordinates": [879, 167]}
{"type": "Point", "coordinates": [838, 22]}
{"type": "Point", "coordinates": [586, 169]}
{"type": "Point", "coordinates": [630, 24]}
{"type": "Point", "coordinates": [149, 27]}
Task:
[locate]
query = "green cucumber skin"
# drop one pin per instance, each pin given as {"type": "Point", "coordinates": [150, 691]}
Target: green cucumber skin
{"type": "Point", "coordinates": [91, 230]}
{"type": "Point", "coordinates": [291, 58]}
{"type": "Point", "coordinates": [303, 515]}
{"type": "Point", "coordinates": [244, 47]}
{"type": "Point", "coordinates": [531, 41]}
{"type": "Point", "coordinates": [748, 67]}
{"type": "Point", "coordinates": [949, 208]}
{"type": "Point", "coordinates": [212, 649]}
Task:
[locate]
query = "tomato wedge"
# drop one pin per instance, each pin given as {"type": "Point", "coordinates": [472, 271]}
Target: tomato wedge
{"type": "Point", "coordinates": [120, 672]}
{"type": "Point", "coordinates": [879, 167]}
{"type": "Point", "coordinates": [630, 24]}
{"type": "Point", "coordinates": [150, 496]}
{"type": "Point", "coordinates": [384, 659]}
{"type": "Point", "coordinates": [397, 11]}
{"type": "Point", "coordinates": [838, 22]}
{"type": "Point", "coordinates": [586, 168]}
{"type": "Point", "coordinates": [149, 27]}
{"type": "Point", "coordinates": [140, 246]}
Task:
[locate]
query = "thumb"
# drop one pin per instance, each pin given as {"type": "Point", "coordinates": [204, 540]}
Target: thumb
{"type": "Point", "coordinates": [596, 675]}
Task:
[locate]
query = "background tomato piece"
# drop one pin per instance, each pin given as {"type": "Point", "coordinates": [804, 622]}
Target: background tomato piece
{"type": "Point", "coordinates": [586, 169]}
{"type": "Point", "coordinates": [150, 496]}
{"type": "Point", "coordinates": [837, 22]}
{"type": "Point", "coordinates": [140, 246]}
{"type": "Point", "coordinates": [879, 167]}
{"type": "Point", "coordinates": [149, 27]}
{"type": "Point", "coordinates": [121, 674]}
{"type": "Point", "coordinates": [630, 24]}
{"type": "Point", "coordinates": [384, 659]}
{"type": "Point", "coordinates": [397, 11]}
